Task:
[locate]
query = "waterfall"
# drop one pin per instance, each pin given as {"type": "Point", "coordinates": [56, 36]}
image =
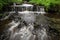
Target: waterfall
{"type": "Point", "coordinates": [23, 29]}
{"type": "Point", "coordinates": [27, 25]}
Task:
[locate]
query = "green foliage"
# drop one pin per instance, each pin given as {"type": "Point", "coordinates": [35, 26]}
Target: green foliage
{"type": "Point", "coordinates": [45, 2]}
{"type": "Point", "coordinates": [16, 1]}
{"type": "Point", "coordinates": [6, 2]}
{"type": "Point", "coordinates": [2, 3]}
{"type": "Point", "coordinates": [55, 2]}
{"type": "Point", "coordinates": [52, 5]}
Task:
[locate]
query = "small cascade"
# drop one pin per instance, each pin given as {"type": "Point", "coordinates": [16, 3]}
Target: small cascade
{"type": "Point", "coordinates": [23, 34]}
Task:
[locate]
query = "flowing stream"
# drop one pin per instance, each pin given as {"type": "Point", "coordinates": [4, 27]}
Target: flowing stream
{"type": "Point", "coordinates": [27, 26]}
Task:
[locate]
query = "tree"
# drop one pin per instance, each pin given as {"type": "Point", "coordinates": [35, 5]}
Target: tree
{"type": "Point", "coordinates": [16, 1]}
{"type": "Point", "coordinates": [49, 4]}
{"type": "Point", "coordinates": [7, 2]}
{"type": "Point", "coordinates": [2, 3]}
{"type": "Point", "coordinates": [46, 3]}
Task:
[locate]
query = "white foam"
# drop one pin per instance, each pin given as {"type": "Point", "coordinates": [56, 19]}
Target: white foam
{"type": "Point", "coordinates": [27, 5]}
{"type": "Point", "coordinates": [13, 25]}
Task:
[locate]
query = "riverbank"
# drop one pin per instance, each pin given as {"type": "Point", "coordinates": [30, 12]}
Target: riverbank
{"type": "Point", "coordinates": [55, 19]}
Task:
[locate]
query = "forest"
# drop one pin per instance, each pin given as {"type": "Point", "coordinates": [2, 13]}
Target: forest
{"type": "Point", "coordinates": [50, 5]}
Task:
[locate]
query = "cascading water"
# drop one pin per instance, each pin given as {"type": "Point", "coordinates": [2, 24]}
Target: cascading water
{"type": "Point", "coordinates": [27, 26]}
{"type": "Point", "coordinates": [23, 29]}
{"type": "Point", "coordinates": [25, 32]}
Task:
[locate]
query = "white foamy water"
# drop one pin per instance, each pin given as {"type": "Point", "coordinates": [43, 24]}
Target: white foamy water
{"type": "Point", "coordinates": [13, 25]}
{"type": "Point", "coordinates": [25, 31]}
{"type": "Point", "coordinates": [44, 34]}
{"type": "Point", "coordinates": [18, 32]}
